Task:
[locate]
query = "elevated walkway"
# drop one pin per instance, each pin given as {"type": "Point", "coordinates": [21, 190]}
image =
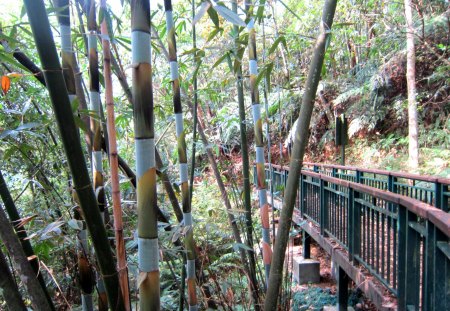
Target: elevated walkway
{"type": "Point", "coordinates": [387, 231]}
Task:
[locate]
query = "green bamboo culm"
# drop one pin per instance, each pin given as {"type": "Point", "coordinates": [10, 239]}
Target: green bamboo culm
{"type": "Point", "coordinates": [296, 162]}
{"type": "Point", "coordinates": [15, 218]}
{"type": "Point", "coordinates": [85, 273]}
{"type": "Point", "coordinates": [148, 249]}
{"type": "Point", "coordinates": [259, 148]}
{"type": "Point", "coordinates": [182, 158]}
{"type": "Point", "coordinates": [63, 112]}
{"type": "Point", "coordinates": [95, 106]}
{"type": "Point", "coordinates": [245, 169]}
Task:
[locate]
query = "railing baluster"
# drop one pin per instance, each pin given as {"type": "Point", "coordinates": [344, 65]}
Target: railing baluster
{"type": "Point", "coordinates": [402, 242]}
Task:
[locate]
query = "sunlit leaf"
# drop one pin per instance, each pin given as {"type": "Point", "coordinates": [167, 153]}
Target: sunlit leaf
{"type": "Point", "coordinates": [228, 14]}
{"type": "Point", "coordinates": [201, 12]}
{"type": "Point", "coordinates": [213, 34]}
{"type": "Point", "coordinates": [28, 126]}
{"type": "Point", "coordinates": [213, 16]}
{"type": "Point", "coordinates": [6, 84]}
{"type": "Point", "coordinates": [260, 12]}
{"type": "Point", "coordinates": [219, 61]}
{"type": "Point", "coordinates": [275, 44]}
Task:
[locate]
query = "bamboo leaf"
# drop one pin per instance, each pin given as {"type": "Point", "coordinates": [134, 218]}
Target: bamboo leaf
{"type": "Point", "coordinates": [219, 61]}
{"type": "Point", "coordinates": [213, 16]}
{"type": "Point", "coordinates": [260, 12]}
{"type": "Point", "coordinates": [27, 126]}
{"type": "Point", "coordinates": [238, 58]}
{"type": "Point", "coordinates": [268, 73]}
{"type": "Point", "coordinates": [277, 42]}
{"type": "Point", "coordinates": [201, 12]}
{"type": "Point", "coordinates": [228, 14]}
{"type": "Point", "coordinates": [80, 124]}
{"type": "Point", "coordinates": [75, 224]}
{"type": "Point", "coordinates": [237, 246]}
{"type": "Point", "coordinates": [213, 34]}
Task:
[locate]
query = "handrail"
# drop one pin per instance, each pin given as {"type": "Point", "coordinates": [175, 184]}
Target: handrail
{"type": "Point", "coordinates": [433, 190]}
{"type": "Point", "coordinates": [401, 241]}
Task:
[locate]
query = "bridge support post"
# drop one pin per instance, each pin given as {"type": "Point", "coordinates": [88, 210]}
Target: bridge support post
{"type": "Point", "coordinates": [343, 281]}
{"type": "Point", "coordinates": [354, 228]}
{"type": "Point", "coordinates": [306, 241]}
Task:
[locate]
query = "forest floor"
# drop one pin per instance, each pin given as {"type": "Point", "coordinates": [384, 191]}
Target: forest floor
{"type": "Point", "coordinates": [309, 297]}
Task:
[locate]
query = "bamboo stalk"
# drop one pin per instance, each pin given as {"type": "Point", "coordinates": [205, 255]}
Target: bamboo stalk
{"type": "Point", "coordinates": [182, 158]}
{"type": "Point", "coordinates": [86, 281]}
{"type": "Point", "coordinates": [61, 105]}
{"type": "Point", "coordinates": [114, 163]}
{"type": "Point", "coordinates": [95, 106]}
{"type": "Point", "coordinates": [253, 281]}
{"type": "Point", "coordinates": [264, 206]}
{"type": "Point", "coordinates": [148, 256]}
{"type": "Point", "coordinates": [300, 141]}
{"type": "Point", "coordinates": [9, 287]}
{"type": "Point", "coordinates": [25, 272]}
{"type": "Point", "coordinates": [15, 218]}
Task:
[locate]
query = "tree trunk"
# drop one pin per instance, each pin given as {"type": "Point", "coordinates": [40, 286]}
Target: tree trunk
{"type": "Point", "coordinates": [11, 292]}
{"type": "Point", "coordinates": [413, 130]}
{"type": "Point", "coordinates": [23, 267]}
{"type": "Point", "coordinates": [15, 218]}
{"type": "Point", "coordinates": [300, 141]}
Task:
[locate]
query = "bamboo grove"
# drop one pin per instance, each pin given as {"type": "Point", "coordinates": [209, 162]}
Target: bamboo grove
{"type": "Point", "coordinates": [104, 253]}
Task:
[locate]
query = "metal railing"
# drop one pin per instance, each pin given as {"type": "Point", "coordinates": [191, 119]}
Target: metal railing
{"type": "Point", "coordinates": [403, 242]}
{"type": "Point", "coordinates": [429, 189]}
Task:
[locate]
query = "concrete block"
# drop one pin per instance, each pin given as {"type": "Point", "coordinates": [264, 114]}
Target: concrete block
{"type": "Point", "coordinates": [306, 270]}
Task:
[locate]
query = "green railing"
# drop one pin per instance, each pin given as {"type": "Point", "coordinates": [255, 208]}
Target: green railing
{"type": "Point", "coordinates": [429, 189]}
{"type": "Point", "coordinates": [401, 241]}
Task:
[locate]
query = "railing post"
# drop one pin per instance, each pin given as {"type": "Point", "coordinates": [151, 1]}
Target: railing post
{"type": "Point", "coordinates": [358, 178]}
{"type": "Point", "coordinates": [412, 264]}
{"type": "Point", "coordinates": [334, 172]}
{"type": "Point", "coordinates": [392, 184]}
{"type": "Point", "coordinates": [342, 290]}
{"type": "Point", "coordinates": [323, 208]}
{"type": "Point", "coordinates": [401, 265]}
{"type": "Point", "coordinates": [428, 291]}
{"type": "Point", "coordinates": [350, 229]}
{"type": "Point", "coordinates": [408, 262]}
{"type": "Point", "coordinates": [440, 201]}
{"type": "Point", "coordinates": [302, 195]}
{"type": "Point", "coordinates": [354, 226]}
{"type": "Point", "coordinates": [441, 276]}
{"type": "Point", "coordinates": [306, 241]}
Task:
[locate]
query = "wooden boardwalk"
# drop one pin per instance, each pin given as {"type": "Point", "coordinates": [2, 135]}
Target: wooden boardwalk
{"type": "Point", "coordinates": [388, 232]}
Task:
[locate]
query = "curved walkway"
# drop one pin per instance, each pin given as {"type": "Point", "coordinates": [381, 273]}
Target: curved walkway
{"type": "Point", "coordinates": [395, 225]}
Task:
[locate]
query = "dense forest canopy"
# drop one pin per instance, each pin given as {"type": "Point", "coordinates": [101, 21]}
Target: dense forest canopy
{"type": "Point", "coordinates": [167, 107]}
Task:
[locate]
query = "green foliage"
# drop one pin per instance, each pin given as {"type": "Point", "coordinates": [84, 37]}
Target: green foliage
{"type": "Point", "coordinates": [313, 298]}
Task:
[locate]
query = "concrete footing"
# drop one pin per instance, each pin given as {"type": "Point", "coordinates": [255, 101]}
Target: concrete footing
{"type": "Point", "coordinates": [306, 270]}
